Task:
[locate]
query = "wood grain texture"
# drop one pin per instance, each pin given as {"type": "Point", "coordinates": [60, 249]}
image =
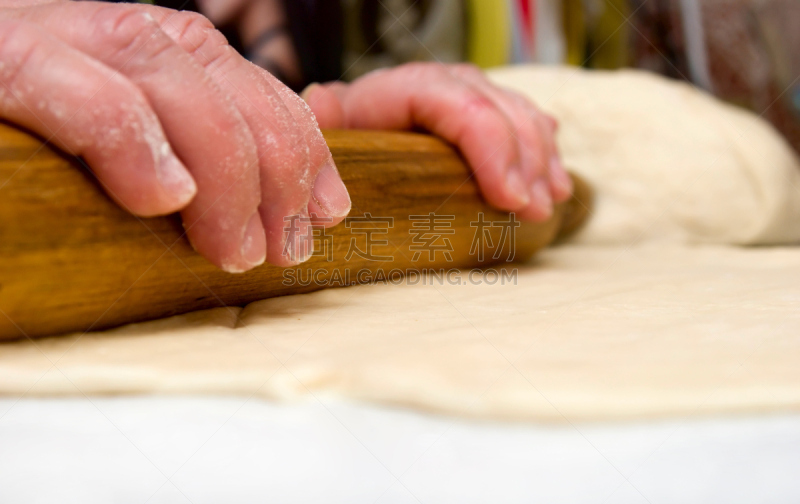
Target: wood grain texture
{"type": "Point", "coordinates": [72, 260]}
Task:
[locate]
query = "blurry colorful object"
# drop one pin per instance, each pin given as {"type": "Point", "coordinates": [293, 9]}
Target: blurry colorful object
{"type": "Point", "coordinates": [381, 33]}
{"type": "Point", "coordinates": [746, 52]}
{"type": "Point", "coordinates": [490, 31]}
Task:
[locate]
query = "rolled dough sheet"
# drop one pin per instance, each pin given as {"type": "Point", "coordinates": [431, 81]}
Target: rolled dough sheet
{"type": "Point", "coordinates": [587, 333]}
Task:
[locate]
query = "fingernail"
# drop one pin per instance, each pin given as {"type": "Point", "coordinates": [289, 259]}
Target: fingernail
{"type": "Point", "coordinates": [299, 245]}
{"type": "Point", "coordinates": [174, 177]}
{"type": "Point", "coordinates": [540, 196]}
{"type": "Point", "coordinates": [562, 182]}
{"type": "Point", "coordinates": [330, 193]}
{"type": "Point", "coordinates": [306, 93]}
{"type": "Point", "coordinates": [516, 187]}
{"type": "Point", "coordinates": [254, 244]}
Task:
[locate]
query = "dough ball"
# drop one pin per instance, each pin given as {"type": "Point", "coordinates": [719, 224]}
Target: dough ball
{"type": "Point", "coordinates": [668, 162]}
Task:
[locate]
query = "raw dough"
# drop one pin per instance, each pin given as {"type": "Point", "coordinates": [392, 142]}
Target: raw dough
{"type": "Point", "coordinates": [668, 162]}
{"type": "Point", "coordinates": [588, 332]}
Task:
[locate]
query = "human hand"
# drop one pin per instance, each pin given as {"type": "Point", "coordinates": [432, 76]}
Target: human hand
{"type": "Point", "coordinates": [506, 140]}
{"type": "Point", "coordinates": [170, 118]}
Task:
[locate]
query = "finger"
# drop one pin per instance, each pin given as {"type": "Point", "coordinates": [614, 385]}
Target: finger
{"type": "Point", "coordinates": [329, 202]}
{"type": "Point", "coordinates": [535, 141]}
{"type": "Point", "coordinates": [324, 103]}
{"type": "Point", "coordinates": [558, 181]}
{"type": "Point", "coordinates": [532, 147]}
{"type": "Point", "coordinates": [205, 129]}
{"type": "Point", "coordinates": [89, 110]}
{"type": "Point", "coordinates": [298, 175]}
{"type": "Point", "coordinates": [424, 95]}
{"type": "Point", "coordinates": [560, 184]}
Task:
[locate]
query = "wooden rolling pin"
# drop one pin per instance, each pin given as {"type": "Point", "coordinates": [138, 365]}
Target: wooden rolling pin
{"type": "Point", "coordinates": [72, 260]}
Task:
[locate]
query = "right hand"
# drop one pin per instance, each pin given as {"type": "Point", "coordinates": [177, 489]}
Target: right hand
{"type": "Point", "coordinates": [507, 141]}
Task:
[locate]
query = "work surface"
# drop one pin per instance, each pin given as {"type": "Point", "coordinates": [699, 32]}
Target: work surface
{"type": "Point", "coordinates": [198, 450]}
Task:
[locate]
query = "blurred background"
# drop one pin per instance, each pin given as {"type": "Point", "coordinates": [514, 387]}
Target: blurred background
{"type": "Point", "coordinates": [746, 52]}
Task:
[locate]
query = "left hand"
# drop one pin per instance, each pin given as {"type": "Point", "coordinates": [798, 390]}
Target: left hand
{"type": "Point", "coordinates": [507, 141]}
{"type": "Point", "coordinates": [169, 117]}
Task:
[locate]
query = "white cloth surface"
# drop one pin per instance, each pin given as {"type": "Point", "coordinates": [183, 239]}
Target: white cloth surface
{"type": "Point", "coordinates": [235, 450]}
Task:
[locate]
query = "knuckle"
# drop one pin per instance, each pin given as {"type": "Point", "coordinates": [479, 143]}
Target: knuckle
{"type": "Point", "coordinates": [198, 36]}
{"type": "Point", "coordinates": [128, 29]}
{"type": "Point", "coordinates": [191, 26]}
{"type": "Point", "coordinates": [476, 102]}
